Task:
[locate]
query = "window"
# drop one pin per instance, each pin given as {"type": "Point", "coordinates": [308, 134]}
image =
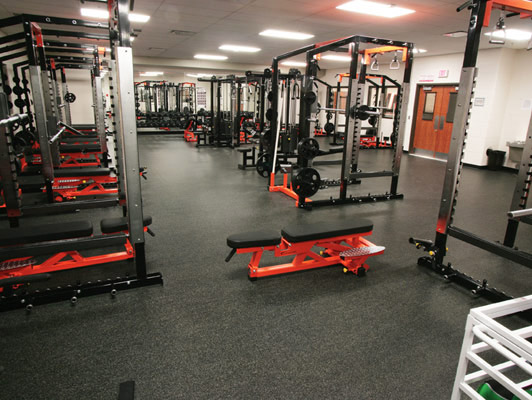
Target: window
{"type": "Point", "coordinates": [428, 108]}
{"type": "Point", "coordinates": [452, 107]}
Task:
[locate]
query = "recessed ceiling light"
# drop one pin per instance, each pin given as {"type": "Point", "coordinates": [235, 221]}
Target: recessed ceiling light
{"type": "Point", "coordinates": [333, 57]}
{"type": "Point", "coordinates": [131, 38]}
{"type": "Point", "coordinates": [210, 57]}
{"type": "Point", "coordinates": [134, 17]}
{"type": "Point", "coordinates": [416, 51]}
{"type": "Point", "coordinates": [151, 73]}
{"type": "Point", "coordinates": [455, 34]}
{"type": "Point", "coordinates": [294, 63]}
{"type": "Point", "coordinates": [372, 8]}
{"type": "Point", "coordinates": [286, 34]}
{"type": "Point", "coordinates": [239, 49]}
{"type": "Point", "coordinates": [95, 13]}
{"type": "Point", "coordinates": [511, 34]}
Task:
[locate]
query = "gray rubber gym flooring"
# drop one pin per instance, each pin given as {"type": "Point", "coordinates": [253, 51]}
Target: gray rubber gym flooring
{"type": "Point", "coordinates": [209, 333]}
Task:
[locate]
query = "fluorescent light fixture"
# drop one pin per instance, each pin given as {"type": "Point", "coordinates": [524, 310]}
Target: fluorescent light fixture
{"type": "Point", "coordinates": [133, 17]}
{"type": "Point", "coordinates": [104, 14]}
{"type": "Point", "coordinates": [239, 49]}
{"type": "Point", "coordinates": [95, 13]}
{"type": "Point", "coordinates": [334, 57]}
{"type": "Point", "coordinates": [373, 8]}
{"type": "Point", "coordinates": [456, 34]}
{"type": "Point", "coordinates": [511, 34]}
{"type": "Point", "coordinates": [286, 34]}
{"type": "Point", "coordinates": [294, 63]}
{"type": "Point", "coordinates": [199, 75]}
{"type": "Point", "coordinates": [151, 73]}
{"type": "Point", "coordinates": [416, 51]}
{"type": "Point", "coordinates": [210, 57]}
{"type": "Point", "coordinates": [107, 49]}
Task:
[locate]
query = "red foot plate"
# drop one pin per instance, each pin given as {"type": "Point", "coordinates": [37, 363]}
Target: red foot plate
{"type": "Point", "coordinates": [361, 251]}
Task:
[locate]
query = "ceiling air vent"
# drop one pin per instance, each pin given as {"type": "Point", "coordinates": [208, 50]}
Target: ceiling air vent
{"type": "Point", "coordinates": [182, 33]}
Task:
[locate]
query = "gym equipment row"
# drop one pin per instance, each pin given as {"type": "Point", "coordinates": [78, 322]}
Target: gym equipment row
{"type": "Point", "coordinates": [437, 249]}
{"type": "Point", "coordinates": [234, 117]}
{"type": "Point", "coordinates": [164, 106]}
{"type": "Point", "coordinates": [300, 179]}
{"type": "Point", "coordinates": [30, 255]}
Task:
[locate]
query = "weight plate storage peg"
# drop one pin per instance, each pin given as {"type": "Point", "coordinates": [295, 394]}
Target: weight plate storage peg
{"type": "Point", "coordinates": [308, 148]}
{"type": "Point", "coordinates": [70, 97]}
{"type": "Point", "coordinates": [306, 183]}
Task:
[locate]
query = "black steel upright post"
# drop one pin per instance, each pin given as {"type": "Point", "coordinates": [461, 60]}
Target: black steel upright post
{"type": "Point", "coordinates": [350, 120]}
{"type": "Point", "coordinates": [128, 130]}
{"type": "Point", "coordinates": [399, 121]}
{"type": "Point", "coordinates": [460, 128]}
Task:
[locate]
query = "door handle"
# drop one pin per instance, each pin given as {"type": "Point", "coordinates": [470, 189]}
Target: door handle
{"type": "Point", "coordinates": [436, 120]}
{"type": "Point", "coordinates": [442, 121]}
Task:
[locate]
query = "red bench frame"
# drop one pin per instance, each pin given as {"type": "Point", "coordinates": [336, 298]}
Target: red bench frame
{"type": "Point", "coordinates": [67, 187]}
{"type": "Point", "coordinates": [329, 256]}
{"type": "Point", "coordinates": [62, 261]}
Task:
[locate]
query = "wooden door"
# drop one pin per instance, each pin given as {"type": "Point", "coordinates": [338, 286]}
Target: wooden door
{"type": "Point", "coordinates": [434, 118]}
{"type": "Point", "coordinates": [445, 127]}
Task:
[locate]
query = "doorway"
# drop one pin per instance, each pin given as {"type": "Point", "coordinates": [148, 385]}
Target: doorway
{"type": "Point", "coordinates": [433, 120]}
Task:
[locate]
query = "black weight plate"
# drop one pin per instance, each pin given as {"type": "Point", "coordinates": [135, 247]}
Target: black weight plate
{"type": "Point", "coordinates": [329, 127]}
{"type": "Point", "coordinates": [70, 97]}
{"type": "Point", "coordinates": [7, 89]}
{"type": "Point", "coordinates": [270, 96]}
{"type": "Point", "coordinates": [20, 103]}
{"type": "Point", "coordinates": [264, 165]}
{"type": "Point", "coordinates": [308, 148]}
{"type": "Point", "coordinates": [18, 90]}
{"type": "Point", "coordinates": [266, 140]}
{"type": "Point", "coordinates": [269, 114]}
{"type": "Point", "coordinates": [306, 183]}
{"type": "Point", "coordinates": [310, 97]}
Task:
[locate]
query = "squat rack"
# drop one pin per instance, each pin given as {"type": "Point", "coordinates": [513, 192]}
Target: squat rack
{"type": "Point", "coordinates": [123, 115]}
{"type": "Point", "coordinates": [480, 17]}
{"type": "Point", "coordinates": [354, 108]}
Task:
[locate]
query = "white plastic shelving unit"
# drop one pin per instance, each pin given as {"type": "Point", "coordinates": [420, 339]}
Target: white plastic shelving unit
{"type": "Point", "coordinates": [484, 335]}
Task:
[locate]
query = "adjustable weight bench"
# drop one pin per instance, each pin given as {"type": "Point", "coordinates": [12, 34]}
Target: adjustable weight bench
{"type": "Point", "coordinates": [70, 183]}
{"type": "Point", "coordinates": [56, 247]}
{"type": "Point", "coordinates": [342, 243]}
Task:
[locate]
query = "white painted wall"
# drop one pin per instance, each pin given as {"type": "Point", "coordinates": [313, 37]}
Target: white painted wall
{"type": "Point", "coordinates": [503, 81]}
{"type": "Point", "coordinates": [518, 103]}
{"type": "Point", "coordinates": [79, 83]}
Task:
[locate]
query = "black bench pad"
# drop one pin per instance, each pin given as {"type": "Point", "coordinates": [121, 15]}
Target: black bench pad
{"type": "Point", "coordinates": [80, 148]}
{"type": "Point", "coordinates": [45, 233]}
{"type": "Point", "coordinates": [79, 138]}
{"type": "Point", "coordinates": [113, 225]}
{"type": "Point", "coordinates": [254, 239]}
{"type": "Point", "coordinates": [302, 233]}
{"type": "Point", "coordinates": [81, 172]}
